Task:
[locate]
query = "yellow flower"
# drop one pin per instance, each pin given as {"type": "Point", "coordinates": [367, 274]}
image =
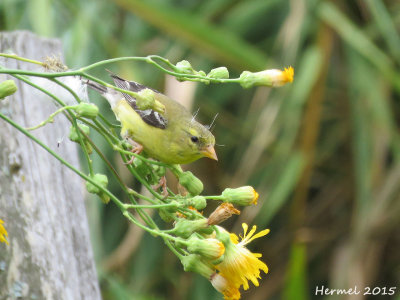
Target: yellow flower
{"type": "Point", "coordinates": [223, 286]}
{"type": "Point", "coordinates": [272, 78]}
{"type": "Point", "coordinates": [3, 233]}
{"type": "Point", "coordinates": [239, 264]}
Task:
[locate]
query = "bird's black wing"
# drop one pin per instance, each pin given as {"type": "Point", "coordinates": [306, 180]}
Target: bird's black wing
{"type": "Point", "coordinates": [149, 116]}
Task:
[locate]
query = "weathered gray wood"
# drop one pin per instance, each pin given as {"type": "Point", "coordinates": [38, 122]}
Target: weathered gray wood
{"type": "Point", "coordinates": [41, 202]}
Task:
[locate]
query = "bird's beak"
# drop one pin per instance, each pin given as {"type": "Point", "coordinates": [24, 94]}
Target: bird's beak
{"type": "Point", "coordinates": [209, 152]}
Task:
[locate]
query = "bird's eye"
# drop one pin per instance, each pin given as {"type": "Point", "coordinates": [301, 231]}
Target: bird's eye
{"type": "Point", "coordinates": [194, 139]}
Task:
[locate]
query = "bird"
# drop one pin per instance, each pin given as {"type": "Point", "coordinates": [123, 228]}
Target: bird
{"type": "Point", "coordinates": [172, 137]}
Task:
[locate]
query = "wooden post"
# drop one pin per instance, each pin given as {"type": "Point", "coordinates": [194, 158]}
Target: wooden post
{"type": "Point", "coordinates": [41, 201]}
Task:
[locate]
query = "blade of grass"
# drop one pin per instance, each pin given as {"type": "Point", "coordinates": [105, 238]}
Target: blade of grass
{"type": "Point", "coordinates": [361, 129]}
{"type": "Point", "coordinates": [386, 27]}
{"type": "Point", "coordinates": [221, 45]}
{"type": "Point", "coordinates": [359, 41]}
{"type": "Point", "coordinates": [296, 282]}
{"type": "Point", "coordinates": [283, 188]}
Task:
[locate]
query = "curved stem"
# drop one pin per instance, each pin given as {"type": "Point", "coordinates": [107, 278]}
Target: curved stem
{"type": "Point", "coordinates": [50, 119]}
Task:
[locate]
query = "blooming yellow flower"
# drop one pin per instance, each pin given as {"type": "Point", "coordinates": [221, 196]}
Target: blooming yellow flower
{"type": "Point", "coordinates": [223, 286]}
{"type": "Point", "coordinates": [239, 264]}
{"type": "Point", "coordinates": [3, 233]}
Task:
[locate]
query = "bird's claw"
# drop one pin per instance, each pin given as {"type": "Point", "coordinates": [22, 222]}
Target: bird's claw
{"type": "Point", "coordinates": [162, 183]}
{"type": "Point", "coordinates": [136, 149]}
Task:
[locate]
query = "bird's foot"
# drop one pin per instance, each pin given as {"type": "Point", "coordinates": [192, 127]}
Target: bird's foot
{"type": "Point", "coordinates": [162, 183]}
{"type": "Point", "coordinates": [136, 148]}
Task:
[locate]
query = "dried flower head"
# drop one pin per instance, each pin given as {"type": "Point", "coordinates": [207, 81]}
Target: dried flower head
{"type": "Point", "coordinates": [221, 213]}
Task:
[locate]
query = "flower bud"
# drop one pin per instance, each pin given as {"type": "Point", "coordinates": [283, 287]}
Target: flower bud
{"type": "Point", "coordinates": [194, 263]}
{"type": "Point", "coordinates": [209, 248]}
{"type": "Point", "coordinates": [191, 183]}
{"type": "Point", "coordinates": [7, 88]}
{"type": "Point", "coordinates": [219, 73]}
{"type": "Point", "coordinates": [245, 195]}
{"type": "Point", "coordinates": [198, 202]}
{"type": "Point", "coordinates": [87, 110]}
{"type": "Point", "coordinates": [185, 228]}
{"type": "Point", "coordinates": [221, 213]}
{"type": "Point", "coordinates": [272, 78]}
{"type": "Point", "coordinates": [159, 170]}
{"type": "Point", "coordinates": [141, 167]}
{"type": "Point", "coordinates": [166, 214]}
{"type": "Point", "coordinates": [101, 180]}
{"type": "Point", "coordinates": [184, 67]}
{"type": "Point", "coordinates": [146, 100]}
{"type": "Point", "coordinates": [73, 134]}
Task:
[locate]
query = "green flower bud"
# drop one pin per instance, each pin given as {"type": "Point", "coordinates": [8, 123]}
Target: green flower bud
{"type": "Point", "coordinates": [198, 202]}
{"type": "Point", "coordinates": [7, 88]}
{"type": "Point", "coordinates": [245, 195]}
{"type": "Point", "coordinates": [141, 167]}
{"type": "Point", "coordinates": [208, 248]}
{"type": "Point", "coordinates": [146, 100]}
{"type": "Point", "coordinates": [272, 78]}
{"type": "Point", "coordinates": [167, 214]}
{"type": "Point", "coordinates": [87, 110]}
{"type": "Point", "coordinates": [202, 73]}
{"type": "Point", "coordinates": [159, 170]}
{"type": "Point", "coordinates": [194, 263]}
{"type": "Point", "coordinates": [191, 183]}
{"type": "Point", "coordinates": [185, 228]}
{"type": "Point", "coordinates": [219, 73]}
{"type": "Point", "coordinates": [101, 180]}
{"type": "Point", "coordinates": [104, 198]}
{"type": "Point", "coordinates": [73, 134]}
{"type": "Point", "coordinates": [184, 67]}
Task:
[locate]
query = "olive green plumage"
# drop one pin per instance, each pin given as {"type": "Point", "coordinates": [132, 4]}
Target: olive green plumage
{"type": "Point", "coordinates": [173, 137]}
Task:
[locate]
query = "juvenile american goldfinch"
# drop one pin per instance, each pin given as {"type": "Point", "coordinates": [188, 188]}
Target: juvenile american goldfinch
{"type": "Point", "coordinates": [173, 136]}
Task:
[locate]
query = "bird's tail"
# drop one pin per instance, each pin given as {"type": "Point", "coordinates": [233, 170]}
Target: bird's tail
{"type": "Point", "coordinates": [112, 96]}
{"type": "Point", "coordinates": [96, 86]}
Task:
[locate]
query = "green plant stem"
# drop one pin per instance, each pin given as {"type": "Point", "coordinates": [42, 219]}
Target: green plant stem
{"type": "Point", "coordinates": [50, 119]}
{"type": "Point", "coordinates": [219, 197]}
{"type": "Point", "coordinates": [138, 195]}
{"type": "Point", "coordinates": [63, 161]}
{"type": "Point", "coordinates": [14, 56]}
{"type": "Point", "coordinates": [148, 59]}
{"type": "Point", "coordinates": [129, 216]}
{"type": "Point", "coordinates": [75, 124]}
{"type": "Point", "coordinates": [173, 205]}
{"type": "Point", "coordinates": [150, 161]}
{"type": "Point", "coordinates": [120, 205]}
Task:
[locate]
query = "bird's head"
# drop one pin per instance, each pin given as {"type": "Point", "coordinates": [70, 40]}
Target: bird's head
{"type": "Point", "coordinates": [199, 141]}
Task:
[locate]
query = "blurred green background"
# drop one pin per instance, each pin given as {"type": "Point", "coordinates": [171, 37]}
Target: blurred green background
{"type": "Point", "coordinates": [323, 152]}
